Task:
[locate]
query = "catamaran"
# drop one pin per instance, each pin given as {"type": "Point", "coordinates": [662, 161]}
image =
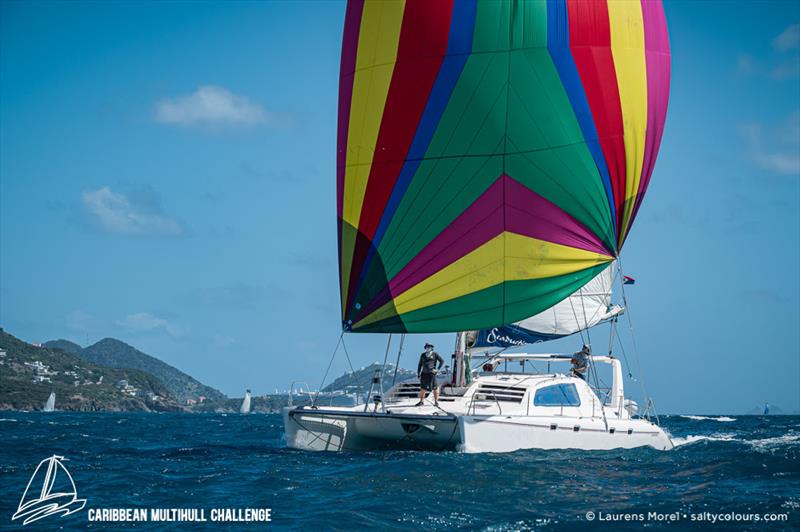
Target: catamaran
{"type": "Point", "coordinates": [491, 408]}
{"type": "Point", "coordinates": [492, 157]}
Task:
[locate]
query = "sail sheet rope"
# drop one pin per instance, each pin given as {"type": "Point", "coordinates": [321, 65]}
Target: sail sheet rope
{"type": "Point", "coordinates": [350, 363]}
{"type": "Point", "coordinates": [330, 363]}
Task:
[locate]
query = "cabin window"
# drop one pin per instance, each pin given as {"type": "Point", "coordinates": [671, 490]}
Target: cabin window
{"type": "Point", "coordinates": [557, 395]}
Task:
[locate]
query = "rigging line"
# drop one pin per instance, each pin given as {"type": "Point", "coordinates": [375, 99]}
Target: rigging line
{"type": "Point", "coordinates": [344, 347]}
{"type": "Point", "coordinates": [575, 315]}
{"type": "Point", "coordinates": [624, 354]}
{"type": "Point", "coordinates": [611, 336]}
{"type": "Point", "coordinates": [386, 356]}
{"type": "Point", "coordinates": [399, 352]}
{"type": "Point", "coordinates": [341, 337]}
{"type": "Point", "coordinates": [489, 358]}
{"type": "Point", "coordinates": [585, 320]}
{"type": "Point", "coordinates": [457, 368]}
{"type": "Point", "coordinates": [591, 364]}
{"type": "Point", "coordinates": [630, 327]}
{"type": "Point", "coordinates": [615, 334]}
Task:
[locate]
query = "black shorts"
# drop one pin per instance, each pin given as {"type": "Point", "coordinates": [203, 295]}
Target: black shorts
{"type": "Point", "coordinates": [427, 381]}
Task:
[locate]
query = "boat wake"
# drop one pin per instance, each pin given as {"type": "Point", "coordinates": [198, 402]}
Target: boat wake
{"type": "Point", "coordinates": [724, 419]}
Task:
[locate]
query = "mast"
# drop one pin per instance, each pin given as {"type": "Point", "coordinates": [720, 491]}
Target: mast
{"type": "Point", "coordinates": [459, 368]}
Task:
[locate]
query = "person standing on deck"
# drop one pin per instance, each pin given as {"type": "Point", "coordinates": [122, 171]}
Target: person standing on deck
{"type": "Point", "coordinates": [426, 371]}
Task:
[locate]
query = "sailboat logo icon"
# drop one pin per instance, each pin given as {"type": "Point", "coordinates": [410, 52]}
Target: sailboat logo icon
{"type": "Point", "coordinates": [50, 491]}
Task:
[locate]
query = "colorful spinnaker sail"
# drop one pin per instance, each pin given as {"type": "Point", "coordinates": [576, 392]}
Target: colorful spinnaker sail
{"type": "Point", "coordinates": [491, 155]}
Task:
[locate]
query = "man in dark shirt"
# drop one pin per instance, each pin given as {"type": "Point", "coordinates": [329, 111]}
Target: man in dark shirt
{"type": "Point", "coordinates": [426, 371]}
{"type": "Point", "coordinates": [580, 362]}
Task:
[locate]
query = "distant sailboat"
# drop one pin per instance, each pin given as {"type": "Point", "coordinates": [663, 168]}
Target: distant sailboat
{"type": "Point", "coordinates": [766, 409]}
{"type": "Point", "coordinates": [245, 409]}
{"type": "Point", "coordinates": [50, 491]}
{"type": "Point", "coordinates": [50, 404]}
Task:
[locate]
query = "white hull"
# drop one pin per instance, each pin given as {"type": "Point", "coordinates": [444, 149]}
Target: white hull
{"type": "Point", "coordinates": [340, 430]}
{"type": "Point", "coordinates": [347, 429]}
{"type": "Point", "coordinates": [497, 434]}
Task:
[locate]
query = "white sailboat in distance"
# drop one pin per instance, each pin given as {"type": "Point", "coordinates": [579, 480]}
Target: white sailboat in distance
{"type": "Point", "coordinates": [50, 404]}
{"type": "Point", "coordinates": [245, 408]}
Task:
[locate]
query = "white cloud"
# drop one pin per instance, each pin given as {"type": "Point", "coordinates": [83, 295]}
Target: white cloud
{"type": "Point", "coordinates": [784, 61]}
{"type": "Point", "coordinates": [81, 322]}
{"type": "Point", "coordinates": [144, 322]}
{"type": "Point", "coordinates": [776, 149]}
{"type": "Point", "coordinates": [786, 69]}
{"type": "Point", "coordinates": [221, 341]}
{"type": "Point", "coordinates": [788, 39]}
{"type": "Point", "coordinates": [747, 64]}
{"type": "Point", "coordinates": [209, 105]}
{"type": "Point", "coordinates": [136, 215]}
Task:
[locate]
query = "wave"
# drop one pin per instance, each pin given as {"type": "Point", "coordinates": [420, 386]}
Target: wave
{"type": "Point", "coordinates": [786, 439]}
{"type": "Point", "coordinates": [698, 438]}
{"type": "Point", "coordinates": [790, 438]}
{"type": "Point", "coordinates": [724, 419]}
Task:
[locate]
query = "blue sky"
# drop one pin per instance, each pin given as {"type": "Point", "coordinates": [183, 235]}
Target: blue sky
{"type": "Point", "coordinates": [167, 177]}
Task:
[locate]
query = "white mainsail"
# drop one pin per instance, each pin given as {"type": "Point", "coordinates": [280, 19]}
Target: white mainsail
{"type": "Point", "coordinates": [50, 404]}
{"type": "Point", "coordinates": [245, 408]}
{"type": "Point", "coordinates": [585, 308]}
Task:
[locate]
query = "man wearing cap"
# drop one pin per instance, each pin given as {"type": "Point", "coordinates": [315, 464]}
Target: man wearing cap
{"type": "Point", "coordinates": [426, 371]}
{"type": "Point", "coordinates": [580, 362]}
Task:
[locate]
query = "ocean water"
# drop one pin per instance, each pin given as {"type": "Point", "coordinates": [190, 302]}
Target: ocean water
{"type": "Point", "coordinates": [729, 465]}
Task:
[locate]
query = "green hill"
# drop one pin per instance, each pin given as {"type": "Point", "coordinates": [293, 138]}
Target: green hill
{"type": "Point", "coordinates": [117, 354]}
{"type": "Point", "coordinates": [360, 380]}
{"type": "Point", "coordinates": [64, 345]}
{"type": "Point", "coordinates": [28, 373]}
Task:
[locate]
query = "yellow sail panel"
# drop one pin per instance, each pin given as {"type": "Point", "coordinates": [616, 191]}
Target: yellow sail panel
{"type": "Point", "coordinates": [506, 257]}
{"type": "Point", "coordinates": [377, 50]}
{"type": "Point", "coordinates": [627, 48]}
